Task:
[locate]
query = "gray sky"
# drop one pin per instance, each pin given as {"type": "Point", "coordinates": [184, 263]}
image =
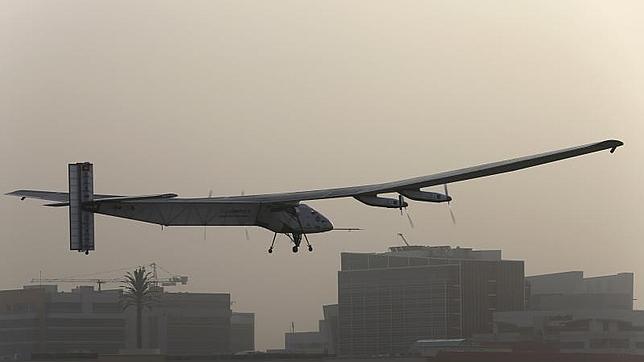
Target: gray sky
{"type": "Point", "coordinates": [274, 96]}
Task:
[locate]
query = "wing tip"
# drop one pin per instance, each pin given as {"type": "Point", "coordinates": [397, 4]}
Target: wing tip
{"type": "Point", "coordinates": [613, 144]}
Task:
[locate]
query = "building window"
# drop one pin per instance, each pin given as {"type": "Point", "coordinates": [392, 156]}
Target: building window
{"type": "Point", "coordinates": [572, 345]}
{"type": "Point", "coordinates": [639, 345]}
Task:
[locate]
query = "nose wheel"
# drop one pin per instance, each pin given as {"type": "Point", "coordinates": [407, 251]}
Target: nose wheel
{"type": "Point", "coordinates": [296, 238]}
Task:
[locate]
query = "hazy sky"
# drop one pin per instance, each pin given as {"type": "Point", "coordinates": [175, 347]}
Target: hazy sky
{"type": "Point", "coordinates": [268, 96]}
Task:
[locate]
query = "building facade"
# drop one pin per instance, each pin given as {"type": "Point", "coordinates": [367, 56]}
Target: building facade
{"type": "Point", "coordinates": [388, 301]}
{"type": "Point", "coordinates": [305, 342]}
{"type": "Point", "coordinates": [242, 332]}
{"type": "Point", "coordinates": [329, 327]}
{"type": "Point", "coordinates": [574, 330]}
{"type": "Point", "coordinates": [186, 324]}
{"type": "Point", "coordinates": [43, 319]}
{"type": "Point", "coordinates": [571, 290]}
{"type": "Point", "coordinates": [570, 313]}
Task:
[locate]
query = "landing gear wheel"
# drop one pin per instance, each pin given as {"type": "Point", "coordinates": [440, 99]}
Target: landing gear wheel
{"type": "Point", "coordinates": [310, 247]}
{"type": "Point", "coordinates": [295, 249]}
{"type": "Point", "coordinates": [270, 249]}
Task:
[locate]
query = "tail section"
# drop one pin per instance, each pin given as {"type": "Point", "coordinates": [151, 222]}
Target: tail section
{"type": "Point", "coordinates": [81, 221]}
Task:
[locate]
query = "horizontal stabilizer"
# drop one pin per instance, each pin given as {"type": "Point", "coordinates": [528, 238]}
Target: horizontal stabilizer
{"type": "Point", "coordinates": [62, 197]}
{"type": "Point", "coordinates": [57, 204]}
{"type": "Point", "coordinates": [136, 198]}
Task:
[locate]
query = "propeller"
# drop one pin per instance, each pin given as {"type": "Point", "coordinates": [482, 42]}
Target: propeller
{"type": "Point", "coordinates": [245, 228]}
{"type": "Point", "coordinates": [204, 227]}
{"type": "Point", "coordinates": [411, 223]}
{"type": "Point", "coordinates": [404, 239]}
{"type": "Point", "coordinates": [449, 205]}
{"type": "Point", "coordinates": [401, 202]}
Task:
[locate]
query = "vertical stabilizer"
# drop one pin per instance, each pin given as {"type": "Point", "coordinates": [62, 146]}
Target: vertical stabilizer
{"type": "Point", "coordinates": [81, 221]}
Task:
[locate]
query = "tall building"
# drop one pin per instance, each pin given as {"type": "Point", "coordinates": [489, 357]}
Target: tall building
{"type": "Point", "coordinates": [43, 319]}
{"type": "Point", "coordinates": [329, 327]}
{"type": "Point", "coordinates": [387, 301]}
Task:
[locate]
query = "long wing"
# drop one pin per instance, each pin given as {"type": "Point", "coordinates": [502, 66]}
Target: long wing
{"type": "Point", "coordinates": [415, 183]}
{"type": "Point", "coordinates": [422, 181]}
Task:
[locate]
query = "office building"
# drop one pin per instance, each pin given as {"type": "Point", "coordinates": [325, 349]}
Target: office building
{"type": "Point", "coordinates": [329, 327]}
{"type": "Point", "coordinates": [572, 330]}
{"type": "Point", "coordinates": [305, 342]}
{"type": "Point", "coordinates": [242, 332]}
{"type": "Point", "coordinates": [43, 319]}
{"type": "Point", "coordinates": [571, 290]}
{"type": "Point", "coordinates": [187, 324]}
{"type": "Point", "coordinates": [388, 301]}
{"type": "Point", "coordinates": [570, 313]}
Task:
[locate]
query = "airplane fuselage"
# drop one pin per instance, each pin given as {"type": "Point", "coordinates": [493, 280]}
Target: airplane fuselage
{"type": "Point", "coordinates": [298, 218]}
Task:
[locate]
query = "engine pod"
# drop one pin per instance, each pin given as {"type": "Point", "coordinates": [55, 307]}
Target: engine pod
{"type": "Point", "coordinates": [377, 201]}
{"type": "Point", "coordinates": [425, 196]}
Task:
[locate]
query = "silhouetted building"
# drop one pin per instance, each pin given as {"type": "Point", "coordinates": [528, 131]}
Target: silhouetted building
{"type": "Point", "coordinates": [187, 324]}
{"type": "Point", "coordinates": [572, 330]}
{"type": "Point", "coordinates": [329, 327]}
{"type": "Point", "coordinates": [570, 313]}
{"type": "Point", "coordinates": [304, 342]}
{"type": "Point", "coordinates": [242, 328]}
{"type": "Point", "coordinates": [322, 341]}
{"type": "Point", "coordinates": [388, 301]}
{"type": "Point", "coordinates": [42, 319]}
{"type": "Point", "coordinates": [570, 290]}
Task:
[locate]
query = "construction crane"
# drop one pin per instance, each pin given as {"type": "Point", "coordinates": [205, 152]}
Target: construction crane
{"type": "Point", "coordinates": [170, 281]}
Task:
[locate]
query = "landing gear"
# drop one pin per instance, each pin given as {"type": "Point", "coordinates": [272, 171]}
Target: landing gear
{"type": "Point", "coordinates": [296, 238]}
{"type": "Point", "coordinates": [307, 243]}
{"type": "Point", "coordinates": [270, 250]}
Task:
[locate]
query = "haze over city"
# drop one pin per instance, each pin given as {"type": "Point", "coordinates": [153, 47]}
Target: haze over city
{"type": "Point", "coordinates": [262, 97]}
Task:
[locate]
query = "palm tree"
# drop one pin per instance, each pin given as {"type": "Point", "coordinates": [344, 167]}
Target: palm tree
{"type": "Point", "coordinates": [139, 292]}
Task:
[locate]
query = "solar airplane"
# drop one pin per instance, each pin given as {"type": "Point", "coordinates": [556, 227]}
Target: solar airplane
{"type": "Point", "coordinates": [281, 213]}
